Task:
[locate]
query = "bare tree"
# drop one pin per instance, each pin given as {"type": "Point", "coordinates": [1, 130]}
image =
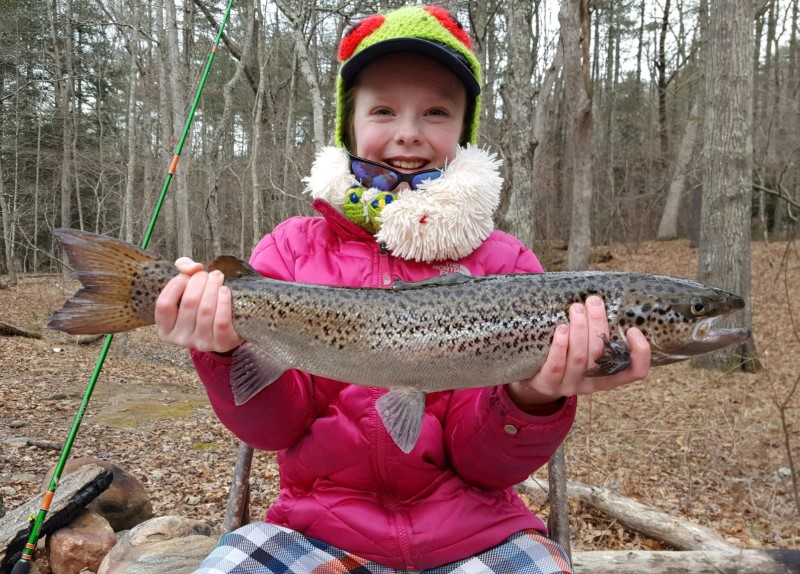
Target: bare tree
{"type": "Point", "coordinates": [298, 16]}
{"type": "Point", "coordinates": [728, 160]}
{"type": "Point", "coordinates": [575, 37]}
{"type": "Point", "coordinates": [518, 143]}
{"type": "Point", "coordinates": [177, 81]}
{"type": "Point", "coordinates": [668, 227]}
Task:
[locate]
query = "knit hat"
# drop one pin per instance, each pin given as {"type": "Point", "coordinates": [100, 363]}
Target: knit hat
{"type": "Point", "coordinates": [426, 30]}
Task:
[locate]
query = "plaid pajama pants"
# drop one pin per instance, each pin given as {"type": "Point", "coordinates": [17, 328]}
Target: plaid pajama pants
{"type": "Point", "coordinates": [261, 548]}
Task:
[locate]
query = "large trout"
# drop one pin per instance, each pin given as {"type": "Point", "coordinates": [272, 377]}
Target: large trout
{"type": "Point", "coordinates": [449, 332]}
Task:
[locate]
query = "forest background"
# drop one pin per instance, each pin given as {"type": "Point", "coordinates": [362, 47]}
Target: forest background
{"type": "Point", "coordinates": [95, 94]}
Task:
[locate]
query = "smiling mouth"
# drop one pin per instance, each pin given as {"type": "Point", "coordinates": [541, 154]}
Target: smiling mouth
{"type": "Point", "coordinates": [402, 164]}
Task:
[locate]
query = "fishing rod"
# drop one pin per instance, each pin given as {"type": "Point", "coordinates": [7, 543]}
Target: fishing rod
{"type": "Point", "coordinates": [23, 565]}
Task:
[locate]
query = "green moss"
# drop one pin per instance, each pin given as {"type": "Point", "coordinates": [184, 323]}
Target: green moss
{"type": "Point", "coordinates": [133, 415]}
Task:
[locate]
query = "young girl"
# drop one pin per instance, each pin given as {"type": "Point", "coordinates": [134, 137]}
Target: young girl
{"type": "Point", "coordinates": [404, 195]}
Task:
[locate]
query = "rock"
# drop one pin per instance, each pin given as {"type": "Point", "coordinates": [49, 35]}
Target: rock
{"type": "Point", "coordinates": [16, 424]}
{"type": "Point", "coordinates": [17, 441]}
{"type": "Point", "coordinates": [165, 544]}
{"type": "Point", "coordinates": [124, 504]}
{"type": "Point", "coordinates": [80, 545]}
{"type": "Point", "coordinates": [8, 491]}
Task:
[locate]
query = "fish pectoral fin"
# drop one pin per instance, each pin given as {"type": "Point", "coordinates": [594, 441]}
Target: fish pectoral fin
{"type": "Point", "coordinates": [615, 358]}
{"type": "Point", "coordinates": [401, 411]}
{"type": "Point", "coordinates": [251, 371]}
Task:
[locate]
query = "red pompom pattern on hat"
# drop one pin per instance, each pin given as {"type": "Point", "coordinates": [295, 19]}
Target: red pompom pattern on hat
{"type": "Point", "coordinates": [453, 26]}
{"type": "Point", "coordinates": [357, 33]}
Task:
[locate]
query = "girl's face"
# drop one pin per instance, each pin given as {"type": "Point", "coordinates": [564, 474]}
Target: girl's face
{"type": "Point", "coordinates": [408, 112]}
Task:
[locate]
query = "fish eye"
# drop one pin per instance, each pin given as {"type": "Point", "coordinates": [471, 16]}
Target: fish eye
{"type": "Point", "coordinates": [698, 307]}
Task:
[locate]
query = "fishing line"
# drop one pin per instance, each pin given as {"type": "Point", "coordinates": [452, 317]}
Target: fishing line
{"type": "Point", "coordinates": [23, 565]}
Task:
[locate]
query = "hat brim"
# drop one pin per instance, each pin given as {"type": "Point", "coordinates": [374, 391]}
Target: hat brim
{"type": "Point", "coordinates": [440, 53]}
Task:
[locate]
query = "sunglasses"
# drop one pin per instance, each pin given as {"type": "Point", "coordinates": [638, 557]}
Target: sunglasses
{"type": "Point", "coordinates": [382, 177]}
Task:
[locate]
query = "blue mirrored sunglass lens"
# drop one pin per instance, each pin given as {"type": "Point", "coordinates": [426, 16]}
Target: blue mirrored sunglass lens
{"type": "Point", "coordinates": [374, 176]}
{"type": "Point", "coordinates": [425, 176]}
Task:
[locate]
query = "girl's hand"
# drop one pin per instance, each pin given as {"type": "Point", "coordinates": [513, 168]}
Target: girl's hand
{"type": "Point", "coordinates": [195, 310]}
{"type": "Point", "coordinates": [573, 351]}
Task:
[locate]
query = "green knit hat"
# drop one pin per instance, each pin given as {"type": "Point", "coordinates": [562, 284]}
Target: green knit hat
{"type": "Point", "coordinates": [427, 30]}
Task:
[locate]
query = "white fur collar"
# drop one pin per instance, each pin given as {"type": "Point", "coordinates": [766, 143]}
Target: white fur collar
{"type": "Point", "coordinates": [446, 218]}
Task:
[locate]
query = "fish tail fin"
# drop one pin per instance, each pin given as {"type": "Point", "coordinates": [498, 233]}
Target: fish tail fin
{"type": "Point", "coordinates": [117, 294]}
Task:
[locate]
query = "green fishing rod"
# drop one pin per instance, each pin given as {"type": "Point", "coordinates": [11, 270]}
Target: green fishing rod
{"type": "Point", "coordinates": [23, 565]}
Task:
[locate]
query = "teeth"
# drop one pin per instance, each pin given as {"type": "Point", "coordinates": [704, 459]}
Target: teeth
{"type": "Point", "coordinates": [408, 164]}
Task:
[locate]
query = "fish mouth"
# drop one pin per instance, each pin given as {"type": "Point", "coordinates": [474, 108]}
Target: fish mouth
{"type": "Point", "coordinates": [705, 338]}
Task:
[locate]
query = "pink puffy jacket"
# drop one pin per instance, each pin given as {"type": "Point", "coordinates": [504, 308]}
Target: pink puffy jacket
{"type": "Point", "coordinates": [343, 480]}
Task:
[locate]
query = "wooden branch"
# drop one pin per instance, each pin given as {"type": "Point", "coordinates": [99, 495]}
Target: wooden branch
{"type": "Point", "coordinates": [653, 523]}
{"type": "Point", "coordinates": [558, 519]}
{"type": "Point", "coordinates": [238, 511]}
{"type": "Point", "coordinates": [697, 562]}
{"type": "Point", "coordinates": [7, 330]}
{"type": "Point", "coordinates": [46, 444]}
{"type": "Point", "coordinates": [778, 194]}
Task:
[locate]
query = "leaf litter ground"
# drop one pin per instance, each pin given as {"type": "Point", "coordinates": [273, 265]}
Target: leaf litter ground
{"type": "Point", "coordinates": [702, 445]}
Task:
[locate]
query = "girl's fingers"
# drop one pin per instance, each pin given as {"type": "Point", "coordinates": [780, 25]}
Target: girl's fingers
{"type": "Point", "coordinates": [166, 311]}
{"type": "Point", "coordinates": [225, 338]}
{"type": "Point", "coordinates": [552, 372]}
{"type": "Point", "coordinates": [640, 354]}
{"type": "Point", "coordinates": [578, 354]}
{"type": "Point", "coordinates": [187, 266]}
{"type": "Point", "coordinates": [207, 307]}
{"type": "Point", "coordinates": [597, 321]}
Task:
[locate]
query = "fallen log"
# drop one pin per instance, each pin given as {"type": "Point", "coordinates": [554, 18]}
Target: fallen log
{"type": "Point", "coordinates": [674, 532]}
{"type": "Point", "coordinates": [74, 492]}
{"type": "Point", "coordinates": [691, 562]}
{"type": "Point", "coordinates": [7, 330]}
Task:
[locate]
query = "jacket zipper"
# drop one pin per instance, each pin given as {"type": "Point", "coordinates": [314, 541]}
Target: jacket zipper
{"type": "Point", "coordinates": [381, 442]}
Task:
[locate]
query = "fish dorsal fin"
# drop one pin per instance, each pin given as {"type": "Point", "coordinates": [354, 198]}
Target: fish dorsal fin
{"type": "Point", "coordinates": [449, 279]}
{"type": "Point", "coordinates": [401, 411]}
{"type": "Point", "coordinates": [251, 371]}
{"type": "Point", "coordinates": [232, 267]}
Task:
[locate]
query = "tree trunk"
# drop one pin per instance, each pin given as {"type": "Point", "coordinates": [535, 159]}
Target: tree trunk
{"type": "Point", "coordinates": [668, 228]}
{"type": "Point", "coordinates": [257, 211]}
{"type": "Point", "coordinates": [728, 159]}
{"type": "Point", "coordinates": [63, 94]}
{"type": "Point", "coordinates": [168, 141]}
{"type": "Point", "coordinates": [8, 223]}
{"type": "Point", "coordinates": [661, 68]}
{"type": "Point", "coordinates": [292, 11]}
{"type": "Point", "coordinates": [574, 19]}
{"type": "Point", "coordinates": [127, 201]}
{"type": "Point", "coordinates": [518, 144]}
{"type": "Point", "coordinates": [177, 81]}
{"type": "Point", "coordinates": [542, 172]}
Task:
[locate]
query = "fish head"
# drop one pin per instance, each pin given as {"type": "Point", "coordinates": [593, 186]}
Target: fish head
{"type": "Point", "coordinates": [680, 318]}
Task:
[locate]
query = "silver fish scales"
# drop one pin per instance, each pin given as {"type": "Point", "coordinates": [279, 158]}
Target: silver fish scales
{"type": "Point", "coordinates": [443, 333]}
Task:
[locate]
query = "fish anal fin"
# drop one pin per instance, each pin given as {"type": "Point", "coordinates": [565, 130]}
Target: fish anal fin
{"type": "Point", "coordinates": [401, 411]}
{"type": "Point", "coordinates": [251, 371]}
{"type": "Point", "coordinates": [615, 358]}
{"type": "Point", "coordinates": [232, 267]}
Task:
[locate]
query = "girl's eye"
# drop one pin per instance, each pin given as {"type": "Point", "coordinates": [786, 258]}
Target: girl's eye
{"type": "Point", "coordinates": [383, 112]}
{"type": "Point", "coordinates": [438, 112]}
